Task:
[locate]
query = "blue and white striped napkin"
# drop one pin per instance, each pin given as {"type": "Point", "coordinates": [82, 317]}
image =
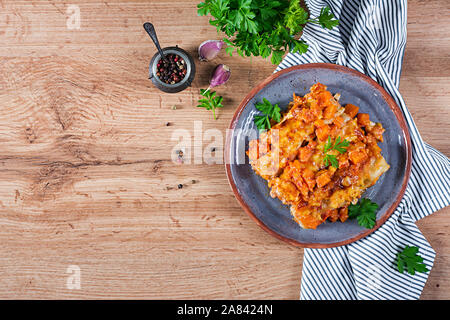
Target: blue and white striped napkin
{"type": "Point", "coordinates": [371, 38]}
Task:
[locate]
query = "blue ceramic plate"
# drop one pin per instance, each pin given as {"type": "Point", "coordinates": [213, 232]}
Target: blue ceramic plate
{"type": "Point", "coordinates": [252, 191]}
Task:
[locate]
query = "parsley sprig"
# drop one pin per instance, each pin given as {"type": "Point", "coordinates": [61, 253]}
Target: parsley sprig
{"type": "Point", "coordinates": [262, 27]}
{"type": "Point", "coordinates": [326, 19]}
{"type": "Point", "coordinates": [210, 101]}
{"type": "Point", "coordinates": [365, 212]}
{"type": "Point", "coordinates": [411, 260]}
{"type": "Point", "coordinates": [270, 112]}
{"type": "Point", "coordinates": [340, 146]}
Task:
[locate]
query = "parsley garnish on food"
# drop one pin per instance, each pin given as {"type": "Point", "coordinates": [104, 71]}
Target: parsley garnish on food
{"type": "Point", "coordinates": [270, 112]}
{"type": "Point", "coordinates": [331, 159]}
{"type": "Point", "coordinates": [411, 260]}
{"type": "Point", "coordinates": [210, 101]}
{"type": "Point", "coordinates": [365, 212]}
{"type": "Point", "coordinates": [262, 27]}
{"type": "Point", "coordinates": [340, 146]}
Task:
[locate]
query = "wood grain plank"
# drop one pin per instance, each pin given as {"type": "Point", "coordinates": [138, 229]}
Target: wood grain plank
{"type": "Point", "coordinates": [85, 158]}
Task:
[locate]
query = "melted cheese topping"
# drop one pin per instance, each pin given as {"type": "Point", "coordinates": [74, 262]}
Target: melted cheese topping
{"type": "Point", "coordinates": [290, 157]}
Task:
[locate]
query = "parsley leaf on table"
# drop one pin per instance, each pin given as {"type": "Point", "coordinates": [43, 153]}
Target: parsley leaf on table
{"type": "Point", "coordinates": [364, 212]}
{"type": "Point", "coordinates": [210, 101]}
{"type": "Point", "coordinates": [411, 260]}
{"type": "Point", "coordinates": [270, 112]}
{"type": "Point", "coordinates": [340, 146]}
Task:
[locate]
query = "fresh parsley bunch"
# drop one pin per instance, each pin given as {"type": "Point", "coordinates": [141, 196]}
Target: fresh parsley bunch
{"type": "Point", "coordinates": [262, 27]}
{"type": "Point", "coordinates": [270, 112]}
{"type": "Point", "coordinates": [210, 101]}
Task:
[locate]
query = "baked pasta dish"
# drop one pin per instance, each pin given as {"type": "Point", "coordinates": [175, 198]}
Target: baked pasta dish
{"type": "Point", "coordinates": [320, 157]}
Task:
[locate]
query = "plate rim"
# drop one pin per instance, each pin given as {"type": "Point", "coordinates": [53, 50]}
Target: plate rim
{"type": "Point", "coordinates": [393, 106]}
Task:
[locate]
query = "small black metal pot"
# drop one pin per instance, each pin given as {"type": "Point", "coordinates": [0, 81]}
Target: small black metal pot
{"type": "Point", "coordinates": [183, 84]}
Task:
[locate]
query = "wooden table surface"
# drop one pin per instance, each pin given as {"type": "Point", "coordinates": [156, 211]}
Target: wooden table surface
{"type": "Point", "coordinates": [85, 157]}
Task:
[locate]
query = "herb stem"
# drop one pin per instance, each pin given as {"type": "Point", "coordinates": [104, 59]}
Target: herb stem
{"type": "Point", "coordinates": [314, 21]}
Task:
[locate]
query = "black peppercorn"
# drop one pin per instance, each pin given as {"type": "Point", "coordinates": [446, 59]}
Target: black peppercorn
{"type": "Point", "coordinates": [173, 71]}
